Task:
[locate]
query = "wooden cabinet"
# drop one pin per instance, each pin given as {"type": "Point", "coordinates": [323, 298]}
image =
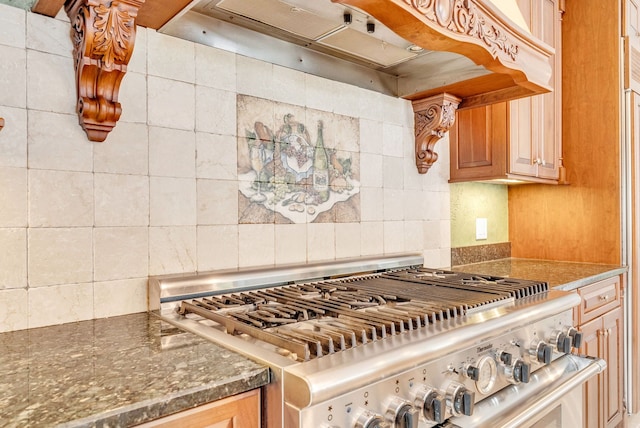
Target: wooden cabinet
{"type": "Point", "coordinates": [521, 139]}
{"type": "Point", "coordinates": [600, 320]}
{"type": "Point", "coordinates": [239, 411]}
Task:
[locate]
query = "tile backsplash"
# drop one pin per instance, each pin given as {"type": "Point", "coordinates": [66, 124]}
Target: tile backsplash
{"type": "Point", "coordinates": [82, 225]}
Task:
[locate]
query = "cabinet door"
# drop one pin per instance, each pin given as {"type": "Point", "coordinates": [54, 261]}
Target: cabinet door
{"type": "Point", "coordinates": [549, 109]}
{"type": "Point", "coordinates": [478, 142]}
{"type": "Point", "coordinates": [536, 122]}
{"type": "Point", "coordinates": [612, 347]}
{"type": "Point", "coordinates": [591, 346]}
{"type": "Point", "coordinates": [239, 411]}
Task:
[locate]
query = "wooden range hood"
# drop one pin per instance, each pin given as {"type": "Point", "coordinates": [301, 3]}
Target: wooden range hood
{"type": "Point", "coordinates": [514, 64]}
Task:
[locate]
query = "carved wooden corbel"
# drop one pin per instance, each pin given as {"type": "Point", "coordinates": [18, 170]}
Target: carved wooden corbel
{"type": "Point", "coordinates": [103, 34]}
{"type": "Point", "coordinates": [433, 117]}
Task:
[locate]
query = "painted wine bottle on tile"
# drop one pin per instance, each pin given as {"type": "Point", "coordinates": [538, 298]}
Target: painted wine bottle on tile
{"type": "Point", "coordinates": [321, 167]}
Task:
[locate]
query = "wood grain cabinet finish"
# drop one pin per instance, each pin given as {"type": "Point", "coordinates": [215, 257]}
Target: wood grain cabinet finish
{"type": "Point", "coordinates": [239, 411]}
{"type": "Point", "coordinates": [602, 331]}
{"type": "Point", "coordinates": [520, 139]}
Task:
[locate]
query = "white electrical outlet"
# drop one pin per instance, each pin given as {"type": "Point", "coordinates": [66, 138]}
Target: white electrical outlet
{"type": "Point", "coordinates": [481, 229]}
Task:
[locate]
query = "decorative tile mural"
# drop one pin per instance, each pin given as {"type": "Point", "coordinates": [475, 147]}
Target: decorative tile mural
{"type": "Point", "coordinates": [295, 164]}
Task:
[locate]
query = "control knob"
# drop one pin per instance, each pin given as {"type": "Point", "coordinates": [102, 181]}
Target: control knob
{"type": "Point", "coordinates": [518, 372]}
{"type": "Point", "coordinates": [402, 414]}
{"type": "Point", "coordinates": [561, 340]}
{"type": "Point", "coordinates": [368, 419]}
{"type": "Point", "coordinates": [505, 357]}
{"type": "Point", "coordinates": [541, 352]}
{"type": "Point", "coordinates": [432, 403]}
{"type": "Point", "coordinates": [576, 337]}
{"type": "Point", "coordinates": [460, 400]}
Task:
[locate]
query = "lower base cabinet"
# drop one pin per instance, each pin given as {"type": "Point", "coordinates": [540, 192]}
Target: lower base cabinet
{"type": "Point", "coordinates": [600, 319]}
{"type": "Point", "coordinates": [239, 411]}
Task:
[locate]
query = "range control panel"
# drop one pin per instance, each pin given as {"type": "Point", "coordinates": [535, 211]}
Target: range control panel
{"type": "Point", "coordinates": [450, 386]}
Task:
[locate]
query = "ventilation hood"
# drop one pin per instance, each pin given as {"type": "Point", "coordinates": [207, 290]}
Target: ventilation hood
{"type": "Point", "coordinates": [477, 50]}
{"type": "Point", "coordinates": [442, 55]}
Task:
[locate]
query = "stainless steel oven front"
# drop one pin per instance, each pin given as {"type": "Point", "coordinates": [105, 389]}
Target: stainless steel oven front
{"type": "Point", "coordinates": [377, 343]}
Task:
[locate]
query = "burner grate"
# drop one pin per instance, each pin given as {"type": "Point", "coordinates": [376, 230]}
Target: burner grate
{"type": "Point", "coordinates": [307, 321]}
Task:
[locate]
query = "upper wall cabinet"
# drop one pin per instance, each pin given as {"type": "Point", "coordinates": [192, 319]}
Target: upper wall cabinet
{"type": "Point", "coordinates": [521, 139]}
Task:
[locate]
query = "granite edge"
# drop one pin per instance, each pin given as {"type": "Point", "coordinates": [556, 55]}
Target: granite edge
{"type": "Point", "coordinates": [169, 404]}
{"type": "Point", "coordinates": [573, 285]}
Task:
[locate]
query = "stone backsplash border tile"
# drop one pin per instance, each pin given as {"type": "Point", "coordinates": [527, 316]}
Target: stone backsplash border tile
{"type": "Point", "coordinates": [480, 253]}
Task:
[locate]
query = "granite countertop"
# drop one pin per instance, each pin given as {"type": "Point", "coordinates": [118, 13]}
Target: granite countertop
{"type": "Point", "coordinates": [559, 275]}
{"type": "Point", "coordinates": [114, 372]}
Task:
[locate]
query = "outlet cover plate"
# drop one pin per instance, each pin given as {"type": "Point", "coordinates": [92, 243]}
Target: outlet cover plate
{"type": "Point", "coordinates": [481, 229]}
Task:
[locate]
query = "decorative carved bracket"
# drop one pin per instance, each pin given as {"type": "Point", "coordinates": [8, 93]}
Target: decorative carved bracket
{"type": "Point", "coordinates": [103, 34]}
{"type": "Point", "coordinates": [433, 117]}
{"type": "Point", "coordinates": [1, 123]}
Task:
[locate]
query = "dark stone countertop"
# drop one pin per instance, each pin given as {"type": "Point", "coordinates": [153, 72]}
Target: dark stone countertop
{"type": "Point", "coordinates": [559, 275]}
{"type": "Point", "coordinates": [114, 372]}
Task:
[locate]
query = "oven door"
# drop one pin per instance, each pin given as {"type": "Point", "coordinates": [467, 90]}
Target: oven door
{"type": "Point", "coordinates": [553, 398]}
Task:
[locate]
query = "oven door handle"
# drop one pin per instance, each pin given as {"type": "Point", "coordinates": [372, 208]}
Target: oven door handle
{"type": "Point", "coordinates": [516, 405]}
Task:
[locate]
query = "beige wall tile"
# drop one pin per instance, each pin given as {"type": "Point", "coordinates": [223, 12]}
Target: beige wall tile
{"type": "Point", "coordinates": [13, 138]}
{"type": "Point", "coordinates": [60, 198]}
{"type": "Point", "coordinates": [413, 236]}
{"type": "Point", "coordinates": [217, 247]}
{"type": "Point", "coordinates": [60, 256]}
{"type": "Point", "coordinates": [170, 57]}
{"type": "Point", "coordinates": [13, 258]}
{"type": "Point", "coordinates": [51, 83]}
{"type": "Point", "coordinates": [431, 234]}
{"type": "Point", "coordinates": [60, 304]}
{"type": "Point", "coordinates": [393, 204]}
{"type": "Point", "coordinates": [321, 244]}
{"type": "Point", "coordinates": [393, 177]}
{"type": "Point", "coordinates": [372, 204]}
{"type": "Point", "coordinates": [113, 298]}
{"type": "Point", "coordinates": [256, 245]}
{"type": "Point", "coordinates": [13, 307]}
{"type": "Point", "coordinates": [56, 141]}
{"type": "Point", "coordinates": [319, 93]}
{"type": "Point", "coordinates": [138, 61]}
{"type": "Point", "coordinates": [414, 202]}
{"type": "Point", "coordinates": [254, 77]}
{"type": "Point", "coordinates": [348, 240]}
{"type": "Point", "coordinates": [371, 238]}
{"type": "Point", "coordinates": [215, 111]}
{"type": "Point", "coordinates": [13, 197]}
{"type": "Point", "coordinates": [172, 152]}
{"type": "Point", "coordinates": [48, 35]}
{"type": "Point", "coordinates": [217, 202]}
{"type": "Point", "coordinates": [392, 140]}
{"type": "Point", "coordinates": [371, 105]}
{"type": "Point", "coordinates": [172, 250]}
{"type": "Point", "coordinates": [173, 201]}
{"type": "Point", "coordinates": [13, 72]}
{"type": "Point", "coordinates": [120, 253]}
{"type": "Point", "coordinates": [121, 200]}
{"type": "Point", "coordinates": [288, 85]}
{"type": "Point", "coordinates": [133, 98]}
{"type": "Point", "coordinates": [347, 99]}
{"type": "Point", "coordinates": [171, 103]}
{"type": "Point", "coordinates": [393, 237]}
{"type": "Point", "coordinates": [125, 151]}
{"type": "Point", "coordinates": [371, 136]}
{"type": "Point", "coordinates": [215, 68]}
{"type": "Point", "coordinates": [12, 26]}
{"type": "Point", "coordinates": [216, 156]}
{"type": "Point", "coordinates": [290, 243]}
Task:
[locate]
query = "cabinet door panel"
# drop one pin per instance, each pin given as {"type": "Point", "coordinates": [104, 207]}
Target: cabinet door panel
{"type": "Point", "coordinates": [591, 346]}
{"type": "Point", "coordinates": [550, 120]}
{"type": "Point", "coordinates": [612, 325]}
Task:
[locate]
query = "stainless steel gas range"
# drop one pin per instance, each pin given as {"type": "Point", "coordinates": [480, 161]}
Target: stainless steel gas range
{"type": "Point", "coordinates": [386, 342]}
